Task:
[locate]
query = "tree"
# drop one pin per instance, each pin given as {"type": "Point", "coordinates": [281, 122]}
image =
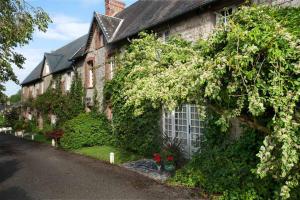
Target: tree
{"type": "Point", "coordinates": [248, 69]}
{"type": "Point", "coordinates": [16, 98]}
{"type": "Point", "coordinates": [18, 21]}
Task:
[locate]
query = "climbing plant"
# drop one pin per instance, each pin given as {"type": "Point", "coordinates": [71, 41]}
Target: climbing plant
{"type": "Point", "coordinates": [54, 101]}
{"type": "Point", "coordinates": [139, 134]}
{"type": "Point", "coordinates": [247, 69]}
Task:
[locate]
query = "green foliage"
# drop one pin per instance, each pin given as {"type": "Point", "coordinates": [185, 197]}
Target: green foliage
{"type": "Point", "coordinates": [248, 69]}
{"type": "Point", "coordinates": [225, 166]}
{"type": "Point", "coordinates": [2, 120]}
{"type": "Point", "coordinates": [31, 126]}
{"type": "Point", "coordinates": [75, 98]}
{"type": "Point", "coordinates": [289, 17]}
{"type": "Point", "coordinates": [16, 98]}
{"type": "Point", "coordinates": [141, 134]}
{"type": "Point", "coordinates": [41, 138]}
{"type": "Point", "coordinates": [87, 130]}
{"type": "Point", "coordinates": [63, 106]}
{"type": "Point", "coordinates": [12, 117]}
{"type": "Point", "coordinates": [18, 21]}
{"type": "Point", "coordinates": [103, 153]}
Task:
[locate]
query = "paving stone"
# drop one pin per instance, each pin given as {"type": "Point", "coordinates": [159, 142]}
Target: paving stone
{"type": "Point", "coordinates": [148, 168]}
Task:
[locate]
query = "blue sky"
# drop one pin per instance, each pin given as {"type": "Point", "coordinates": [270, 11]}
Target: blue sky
{"type": "Point", "coordinates": [71, 19]}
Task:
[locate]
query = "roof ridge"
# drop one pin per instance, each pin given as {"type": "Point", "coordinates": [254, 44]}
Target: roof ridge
{"type": "Point", "coordinates": [98, 13]}
{"type": "Point", "coordinates": [70, 43]}
{"type": "Point", "coordinates": [128, 7]}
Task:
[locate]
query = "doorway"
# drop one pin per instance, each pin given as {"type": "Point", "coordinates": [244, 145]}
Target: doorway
{"type": "Point", "coordinates": [184, 124]}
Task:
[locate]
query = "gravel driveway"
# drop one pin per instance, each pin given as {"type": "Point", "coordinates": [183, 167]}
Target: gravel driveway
{"type": "Point", "coordinates": [29, 170]}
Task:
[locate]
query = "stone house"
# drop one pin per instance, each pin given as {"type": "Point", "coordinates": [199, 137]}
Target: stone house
{"type": "Point", "coordinates": [55, 65]}
{"type": "Point", "coordinates": [109, 33]}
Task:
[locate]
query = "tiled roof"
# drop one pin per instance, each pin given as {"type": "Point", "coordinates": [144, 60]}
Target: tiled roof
{"type": "Point", "coordinates": [58, 60]}
{"type": "Point", "coordinates": [109, 25]}
{"type": "Point", "coordinates": [145, 14]}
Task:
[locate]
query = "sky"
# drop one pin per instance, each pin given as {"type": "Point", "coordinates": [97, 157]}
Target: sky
{"type": "Point", "coordinates": [71, 19]}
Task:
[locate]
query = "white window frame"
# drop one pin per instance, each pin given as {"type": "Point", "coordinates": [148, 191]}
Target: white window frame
{"type": "Point", "coordinates": [224, 19]}
{"type": "Point", "coordinates": [188, 149]}
{"type": "Point", "coordinates": [42, 87]}
{"type": "Point", "coordinates": [91, 78]}
{"type": "Point", "coordinates": [68, 81]}
{"type": "Point", "coordinates": [112, 65]}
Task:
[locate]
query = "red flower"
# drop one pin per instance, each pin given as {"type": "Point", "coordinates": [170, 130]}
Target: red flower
{"type": "Point", "coordinates": [170, 158]}
{"type": "Point", "coordinates": [157, 158]}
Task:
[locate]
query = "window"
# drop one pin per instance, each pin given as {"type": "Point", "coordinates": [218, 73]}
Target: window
{"type": "Point", "coordinates": [165, 36]}
{"type": "Point", "coordinates": [46, 69]}
{"type": "Point", "coordinates": [54, 85]}
{"type": "Point", "coordinates": [112, 64]}
{"type": "Point", "coordinates": [90, 74]}
{"type": "Point", "coordinates": [185, 125]}
{"type": "Point", "coordinates": [223, 15]}
{"type": "Point", "coordinates": [33, 91]}
{"type": "Point", "coordinates": [68, 81]}
{"type": "Point", "coordinates": [53, 119]}
{"type": "Point", "coordinates": [42, 87]}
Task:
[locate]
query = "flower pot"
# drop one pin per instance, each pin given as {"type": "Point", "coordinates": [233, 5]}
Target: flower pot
{"type": "Point", "coordinates": [158, 167]}
{"type": "Point", "coordinates": [169, 168]}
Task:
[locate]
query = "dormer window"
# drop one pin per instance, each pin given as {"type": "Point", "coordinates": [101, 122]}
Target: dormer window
{"type": "Point", "coordinates": [46, 69]}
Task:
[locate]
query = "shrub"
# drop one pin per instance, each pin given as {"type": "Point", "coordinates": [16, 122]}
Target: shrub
{"type": "Point", "coordinates": [2, 121]}
{"type": "Point", "coordinates": [31, 126]}
{"type": "Point", "coordinates": [86, 130]}
{"type": "Point", "coordinates": [141, 134]}
{"type": "Point", "coordinates": [224, 166]}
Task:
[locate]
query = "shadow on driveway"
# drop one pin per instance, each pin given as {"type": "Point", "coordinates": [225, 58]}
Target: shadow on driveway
{"type": "Point", "coordinates": [7, 169]}
{"type": "Point", "coordinates": [14, 193]}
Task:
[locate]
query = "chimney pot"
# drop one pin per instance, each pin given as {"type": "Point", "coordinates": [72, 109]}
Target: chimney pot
{"type": "Point", "coordinates": [112, 7]}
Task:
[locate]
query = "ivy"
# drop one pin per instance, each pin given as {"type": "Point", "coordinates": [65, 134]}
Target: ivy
{"type": "Point", "coordinates": [140, 134]}
{"type": "Point", "coordinates": [247, 69]}
{"type": "Point", "coordinates": [63, 106]}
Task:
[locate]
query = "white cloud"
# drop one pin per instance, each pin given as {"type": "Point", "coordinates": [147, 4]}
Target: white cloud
{"type": "Point", "coordinates": [65, 28]}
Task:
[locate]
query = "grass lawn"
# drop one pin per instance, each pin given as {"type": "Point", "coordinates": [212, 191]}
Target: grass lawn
{"type": "Point", "coordinates": [102, 153]}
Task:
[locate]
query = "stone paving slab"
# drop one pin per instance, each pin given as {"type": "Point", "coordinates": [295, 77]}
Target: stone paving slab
{"type": "Point", "coordinates": [147, 167]}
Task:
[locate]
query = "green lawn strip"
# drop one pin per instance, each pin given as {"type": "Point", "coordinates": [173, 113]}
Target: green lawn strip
{"type": "Point", "coordinates": [41, 138]}
{"type": "Point", "coordinates": [102, 153]}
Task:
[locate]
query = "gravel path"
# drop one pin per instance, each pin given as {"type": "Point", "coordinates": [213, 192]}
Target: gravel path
{"type": "Point", "coordinates": [30, 170]}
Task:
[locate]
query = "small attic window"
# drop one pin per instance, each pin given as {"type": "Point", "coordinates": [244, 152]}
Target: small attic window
{"type": "Point", "coordinates": [46, 69]}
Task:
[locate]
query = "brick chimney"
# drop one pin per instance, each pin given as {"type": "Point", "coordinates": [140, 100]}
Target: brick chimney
{"type": "Point", "coordinates": [112, 7]}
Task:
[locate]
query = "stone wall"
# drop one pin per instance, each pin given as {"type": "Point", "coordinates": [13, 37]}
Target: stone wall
{"type": "Point", "coordinates": [195, 27]}
{"type": "Point", "coordinates": [97, 54]}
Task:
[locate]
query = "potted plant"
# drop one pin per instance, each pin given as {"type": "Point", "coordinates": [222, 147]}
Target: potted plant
{"type": "Point", "coordinates": [169, 165]}
{"type": "Point", "coordinates": [158, 160]}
